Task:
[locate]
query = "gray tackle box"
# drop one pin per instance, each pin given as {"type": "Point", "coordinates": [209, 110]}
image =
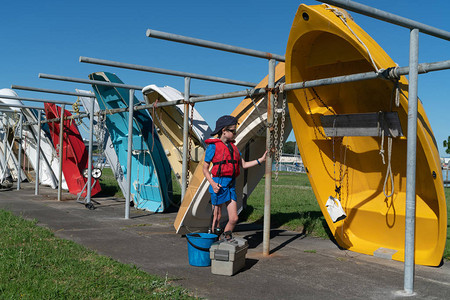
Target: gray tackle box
{"type": "Point", "coordinates": [228, 257]}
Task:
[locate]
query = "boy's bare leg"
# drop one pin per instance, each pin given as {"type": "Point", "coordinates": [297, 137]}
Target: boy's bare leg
{"type": "Point", "coordinates": [232, 215]}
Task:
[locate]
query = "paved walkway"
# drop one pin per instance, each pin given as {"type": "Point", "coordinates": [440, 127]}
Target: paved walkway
{"type": "Point", "coordinates": [299, 267]}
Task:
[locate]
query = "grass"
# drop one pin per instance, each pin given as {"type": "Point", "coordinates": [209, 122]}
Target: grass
{"type": "Point", "coordinates": [293, 206]}
{"type": "Point", "coordinates": [37, 265]}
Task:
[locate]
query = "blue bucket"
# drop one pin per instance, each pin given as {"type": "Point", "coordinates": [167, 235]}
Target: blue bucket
{"type": "Point", "coordinates": [198, 248]}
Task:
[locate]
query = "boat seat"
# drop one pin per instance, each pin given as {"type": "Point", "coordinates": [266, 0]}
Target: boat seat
{"type": "Point", "coordinates": [363, 124]}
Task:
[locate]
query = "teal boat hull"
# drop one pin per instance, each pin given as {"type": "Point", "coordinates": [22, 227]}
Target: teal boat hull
{"type": "Point", "coordinates": [151, 180]}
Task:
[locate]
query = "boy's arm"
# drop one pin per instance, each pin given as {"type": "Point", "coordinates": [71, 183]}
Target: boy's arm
{"type": "Point", "coordinates": [249, 164]}
{"type": "Point", "coordinates": [215, 186]}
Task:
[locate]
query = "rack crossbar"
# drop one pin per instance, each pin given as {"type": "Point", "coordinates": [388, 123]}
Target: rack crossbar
{"type": "Point", "coordinates": [389, 17]}
{"type": "Point", "coordinates": [213, 45]}
{"type": "Point", "coordinates": [110, 63]}
{"type": "Point", "coordinates": [87, 81]}
{"type": "Point", "coordinates": [34, 89]}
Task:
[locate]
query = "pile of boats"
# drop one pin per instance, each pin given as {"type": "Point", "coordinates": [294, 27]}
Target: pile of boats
{"type": "Point", "coordinates": [351, 137]}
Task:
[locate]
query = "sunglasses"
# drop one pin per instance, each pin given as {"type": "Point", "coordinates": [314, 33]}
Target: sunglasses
{"type": "Point", "coordinates": [232, 131]}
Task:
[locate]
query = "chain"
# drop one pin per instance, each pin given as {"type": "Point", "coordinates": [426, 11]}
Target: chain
{"type": "Point", "coordinates": [280, 150]}
{"type": "Point", "coordinates": [316, 127]}
{"type": "Point", "coordinates": [190, 145]}
{"type": "Point", "coordinates": [76, 109]}
{"type": "Point", "coordinates": [275, 126]}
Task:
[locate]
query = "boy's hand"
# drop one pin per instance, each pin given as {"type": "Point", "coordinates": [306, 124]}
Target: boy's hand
{"type": "Point", "coordinates": [263, 158]}
{"type": "Point", "coordinates": [216, 187]}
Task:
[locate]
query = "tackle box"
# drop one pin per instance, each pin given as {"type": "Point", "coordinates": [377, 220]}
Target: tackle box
{"type": "Point", "coordinates": [228, 257]}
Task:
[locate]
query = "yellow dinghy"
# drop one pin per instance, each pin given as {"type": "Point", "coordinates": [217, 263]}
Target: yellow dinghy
{"type": "Point", "coordinates": [194, 214]}
{"type": "Point", "coordinates": [341, 130]}
{"type": "Point", "coordinates": [169, 125]}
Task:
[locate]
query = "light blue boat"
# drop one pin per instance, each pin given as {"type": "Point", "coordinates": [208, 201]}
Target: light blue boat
{"type": "Point", "coordinates": [151, 181]}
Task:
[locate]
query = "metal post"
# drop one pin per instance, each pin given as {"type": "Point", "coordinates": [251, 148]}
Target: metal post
{"type": "Point", "coordinates": [5, 142]}
{"type": "Point", "coordinates": [38, 155]}
{"type": "Point", "coordinates": [20, 149]}
{"type": "Point", "coordinates": [187, 87]}
{"type": "Point", "coordinates": [61, 154]}
{"type": "Point", "coordinates": [91, 137]}
{"type": "Point", "coordinates": [268, 172]}
{"type": "Point", "coordinates": [410, 213]}
{"type": "Point", "coordinates": [130, 149]}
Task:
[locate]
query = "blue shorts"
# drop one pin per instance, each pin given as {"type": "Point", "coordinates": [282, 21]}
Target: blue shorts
{"type": "Point", "coordinates": [226, 193]}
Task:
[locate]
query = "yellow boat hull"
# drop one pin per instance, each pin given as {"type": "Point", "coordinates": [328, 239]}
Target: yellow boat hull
{"type": "Point", "coordinates": [321, 45]}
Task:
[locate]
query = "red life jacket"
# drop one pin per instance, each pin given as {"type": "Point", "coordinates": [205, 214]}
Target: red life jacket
{"type": "Point", "coordinates": [225, 163]}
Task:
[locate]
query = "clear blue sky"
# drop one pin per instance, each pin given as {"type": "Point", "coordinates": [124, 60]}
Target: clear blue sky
{"type": "Point", "coordinates": [49, 36]}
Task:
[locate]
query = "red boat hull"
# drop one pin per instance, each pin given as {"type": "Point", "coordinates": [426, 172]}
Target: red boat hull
{"type": "Point", "coordinates": [75, 154]}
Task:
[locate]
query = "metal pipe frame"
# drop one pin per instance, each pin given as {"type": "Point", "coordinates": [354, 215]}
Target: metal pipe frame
{"type": "Point", "coordinates": [20, 148]}
{"type": "Point", "coordinates": [38, 155]}
{"type": "Point", "coordinates": [388, 17]}
{"type": "Point", "coordinates": [213, 45]}
{"type": "Point", "coordinates": [19, 106]}
{"type": "Point", "coordinates": [387, 74]}
{"type": "Point", "coordinates": [110, 63]}
{"type": "Point", "coordinates": [34, 89]}
{"type": "Point", "coordinates": [61, 154]}
{"type": "Point", "coordinates": [35, 100]}
{"type": "Point", "coordinates": [91, 137]}
{"type": "Point", "coordinates": [410, 209]}
{"type": "Point", "coordinates": [268, 166]}
{"type": "Point", "coordinates": [130, 149]}
{"type": "Point", "coordinates": [87, 81]}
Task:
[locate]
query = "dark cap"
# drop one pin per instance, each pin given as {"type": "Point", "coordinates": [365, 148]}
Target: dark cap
{"type": "Point", "coordinates": [224, 121]}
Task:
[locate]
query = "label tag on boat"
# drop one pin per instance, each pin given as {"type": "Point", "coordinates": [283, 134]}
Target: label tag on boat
{"type": "Point", "coordinates": [335, 209]}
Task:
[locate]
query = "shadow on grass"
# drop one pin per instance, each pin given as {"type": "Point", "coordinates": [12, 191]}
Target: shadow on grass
{"type": "Point", "coordinates": [108, 190]}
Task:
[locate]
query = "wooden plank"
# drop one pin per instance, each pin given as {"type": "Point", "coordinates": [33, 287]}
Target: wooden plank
{"type": "Point", "coordinates": [364, 124]}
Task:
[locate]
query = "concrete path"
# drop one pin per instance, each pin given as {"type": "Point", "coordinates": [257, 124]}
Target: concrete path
{"type": "Point", "coordinates": [299, 267]}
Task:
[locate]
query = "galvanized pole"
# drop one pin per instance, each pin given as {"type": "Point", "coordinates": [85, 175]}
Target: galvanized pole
{"type": "Point", "coordinates": [20, 149]}
{"type": "Point", "coordinates": [388, 17]}
{"type": "Point", "coordinates": [5, 143]}
{"type": "Point", "coordinates": [38, 155]}
{"type": "Point", "coordinates": [91, 136]}
{"type": "Point", "coordinates": [213, 45]}
{"type": "Point", "coordinates": [268, 172]}
{"type": "Point", "coordinates": [410, 213]}
{"type": "Point", "coordinates": [187, 87]}
{"type": "Point", "coordinates": [130, 149]}
{"type": "Point", "coordinates": [61, 154]}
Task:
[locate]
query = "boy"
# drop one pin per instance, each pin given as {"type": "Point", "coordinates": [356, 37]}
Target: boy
{"type": "Point", "coordinates": [227, 161]}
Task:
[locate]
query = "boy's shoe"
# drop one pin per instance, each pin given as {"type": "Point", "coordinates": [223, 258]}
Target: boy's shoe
{"type": "Point", "coordinates": [227, 235]}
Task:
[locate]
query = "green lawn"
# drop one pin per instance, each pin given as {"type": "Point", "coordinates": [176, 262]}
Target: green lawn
{"type": "Point", "coordinates": [37, 265]}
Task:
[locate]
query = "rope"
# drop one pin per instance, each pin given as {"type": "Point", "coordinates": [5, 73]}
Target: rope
{"type": "Point", "coordinates": [343, 18]}
{"type": "Point", "coordinates": [389, 170]}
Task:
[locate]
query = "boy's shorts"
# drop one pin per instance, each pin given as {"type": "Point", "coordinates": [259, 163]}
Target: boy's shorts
{"type": "Point", "coordinates": [226, 192]}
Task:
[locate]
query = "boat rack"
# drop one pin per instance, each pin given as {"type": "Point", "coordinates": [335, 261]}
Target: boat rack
{"type": "Point", "coordinates": [413, 70]}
